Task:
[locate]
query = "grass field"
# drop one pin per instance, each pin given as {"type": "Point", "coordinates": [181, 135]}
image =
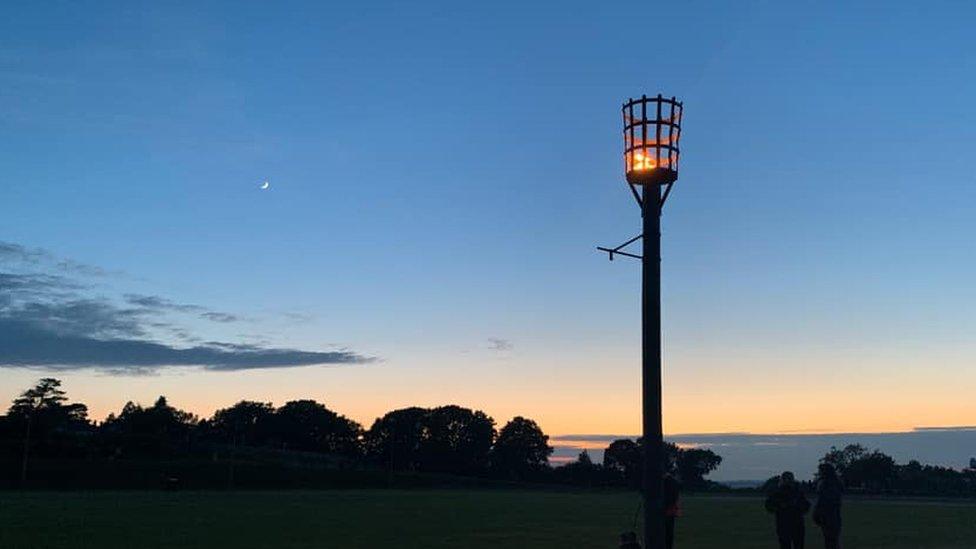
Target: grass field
{"type": "Point", "coordinates": [435, 519]}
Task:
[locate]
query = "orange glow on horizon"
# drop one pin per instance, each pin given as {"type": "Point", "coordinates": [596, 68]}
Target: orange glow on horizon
{"type": "Point", "coordinates": [744, 395]}
{"type": "Point", "coordinates": [756, 411]}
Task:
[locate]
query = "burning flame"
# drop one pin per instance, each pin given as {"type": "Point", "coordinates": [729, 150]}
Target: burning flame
{"type": "Point", "coordinates": [642, 162]}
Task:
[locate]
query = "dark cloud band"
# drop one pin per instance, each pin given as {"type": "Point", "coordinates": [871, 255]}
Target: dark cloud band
{"type": "Point", "coordinates": [49, 320]}
{"type": "Point", "coordinates": [23, 344]}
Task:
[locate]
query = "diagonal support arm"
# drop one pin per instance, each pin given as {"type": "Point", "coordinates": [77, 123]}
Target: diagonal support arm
{"type": "Point", "coordinates": [617, 251]}
{"type": "Point", "coordinates": [640, 199]}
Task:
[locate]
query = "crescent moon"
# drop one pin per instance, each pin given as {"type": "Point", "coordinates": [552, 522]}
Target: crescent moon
{"type": "Point", "coordinates": [265, 185]}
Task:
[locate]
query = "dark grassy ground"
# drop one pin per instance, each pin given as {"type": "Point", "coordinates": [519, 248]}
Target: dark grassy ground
{"type": "Point", "coordinates": [435, 519]}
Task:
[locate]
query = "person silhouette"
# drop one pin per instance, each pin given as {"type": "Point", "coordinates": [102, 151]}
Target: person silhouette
{"type": "Point", "coordinates": [826, 512]}
{"type": "Point", "coordinates": [672, 508]}
{"type": "Point", "coordinates": [789, 505]}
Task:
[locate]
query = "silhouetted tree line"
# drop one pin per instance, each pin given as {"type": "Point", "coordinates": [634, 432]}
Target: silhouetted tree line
{"type": "Point", "coordinates": [874, 473]}
{"type": "Point", "coordinates": [622, 466]}
{"type": "Point", "coordinates": [689, 465]}
{"type": "Point", "coordinates": [42, 427]}
{"type": "Point", "coordinates": [43, 434]}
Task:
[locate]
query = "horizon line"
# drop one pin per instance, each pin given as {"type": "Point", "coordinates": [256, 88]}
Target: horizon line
{"type": "Point", "coordinates": [794, 433]}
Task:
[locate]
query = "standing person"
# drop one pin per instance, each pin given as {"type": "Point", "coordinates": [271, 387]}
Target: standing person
{"type": "Point", "coordinates": [789, 505]}
{"type": "Point", "coordinates": [672, 508]}
{"type": "Point", "coordinates": [826, 513]}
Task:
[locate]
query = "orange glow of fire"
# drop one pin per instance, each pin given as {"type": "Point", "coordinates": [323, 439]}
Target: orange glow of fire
{"type": "Point", "coordinates": [643, 162]}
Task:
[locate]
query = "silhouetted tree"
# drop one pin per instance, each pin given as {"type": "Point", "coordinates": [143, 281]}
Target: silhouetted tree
{"type": "Point", "coordinates": [394, 440]}
{"type": "Point", "coordinates": [47, 404]}
{"type": "Point", "coordinates": [520, 450]}
{"type": "Point", "coordinates": [46, 394]}
{"type": "Point", "coordinates": [584, 472]}
{"type": "Point", "coordinates": [624, 456]}
{"type": "Point", "coordinates": [310, 426]}
{"type": "Point", "coordinates": [842, 459]}
{"type": "Point", "coordinates": [872, 472]}
{"type": "Point", "coordinates": [456, 440]}
{"type": "Point", "coordinates": [446, 439]}
{"type": "Point", "coordinates": [692, 464]}
{"type": "Point", "coordinates": [245, 423]}
{"type": "Point", "coordinates": [47, 423]}
{"type": "Point", "coordinates": [156, 430]}
{"type": "Point", "coordinates": [912, 477]}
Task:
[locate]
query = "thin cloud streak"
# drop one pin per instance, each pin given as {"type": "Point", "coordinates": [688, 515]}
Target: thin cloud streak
{"type": "Point", "coordinates": [499, 344]}
{"type": "Point", "coordinates": [12, 252]}
{"type": "Point", "coordinates": [159, 304]}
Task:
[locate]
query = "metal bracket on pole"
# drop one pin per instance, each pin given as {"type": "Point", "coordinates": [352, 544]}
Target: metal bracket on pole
{"type": "Point", "coordinates": [616, 251]}
{"type": "Point", "coordinates": [667, 191]}
{"type": "Point", "coordinates": [637, 196]}
{"type": "Point", "coordinates": [640, 199]}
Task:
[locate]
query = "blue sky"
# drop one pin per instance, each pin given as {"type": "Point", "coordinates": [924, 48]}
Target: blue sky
{"type": "Point", "coordinates": [440, 174]}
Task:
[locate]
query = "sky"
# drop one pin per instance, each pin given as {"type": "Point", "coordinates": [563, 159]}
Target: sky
{"type": "Point", "coordinates": [439, 176]}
